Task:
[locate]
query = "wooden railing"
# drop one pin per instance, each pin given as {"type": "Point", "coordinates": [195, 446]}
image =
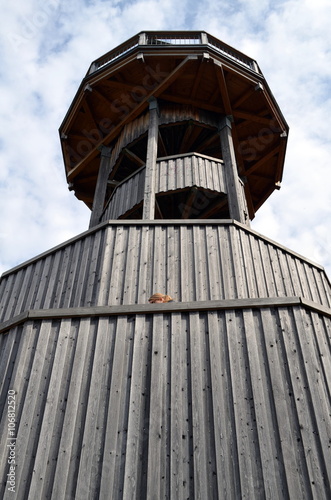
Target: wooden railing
{"type": "Point", "coordinates": [174, 38]}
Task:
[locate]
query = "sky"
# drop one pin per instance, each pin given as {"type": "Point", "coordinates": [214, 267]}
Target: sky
{"type": "Point", "coordinates": [46, 47]}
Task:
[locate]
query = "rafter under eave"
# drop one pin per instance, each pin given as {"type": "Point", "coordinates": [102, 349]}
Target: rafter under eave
{"type": "Point", "coordinates": [133, 114]}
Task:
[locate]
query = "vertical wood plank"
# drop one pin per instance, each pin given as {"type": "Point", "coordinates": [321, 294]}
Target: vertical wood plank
{"type": "Point", "coordinates": [67, 465]}
{"type": "Point", "coordinates": [156, 483]}
{"type": "Point", "coordinates": [173, 263]}
{"type": "Point", "coordinates": [33, 404]}
{"type": "Point", "coordinates": [90, 464]}
{"type": "Point", "coordinates": [248, 459]}
{"type": "Point", "coordinates": [311, 280]}
{"type": "Point", "coordinates": [159, 259]}
{"type": "Point", "coordinates": [19, 293]}
{"type": "Point", "coordinates": [238, 264]}
{"type": "Point", "coordinates": [327, 290]}
{"type": "Point", "coordinates": [67, 288]}
{"type": "Point", "coordinates": [36, 276]}
{"type": "Point", "coordinates": [13, 378]}
{"type": "Point", "coordinates": [213, 263]}
{"type": "Point", "coordinates": [50, 430]}
{"type": "Point", "coordinates": [137, 421]}
{"type": "Point", "coordinates": [114, 456]}
{"type": "Point", "coordinates": [180, 435]}
{"type": "Point", "coordinates": [52, 280]}
{"type": "Point", "coordinates": [315, 430]}
{"type": "Point", "coordinates": [107, 260]}
{"type": "Point", "coordinates": [60, 280]}
{"type": "Point", "coordinates": [82, 272]}
{"type": "Point", "coordinates": [263, 408]}
{"type": "Point", "coordinates": [226, 262]}
{"type": "Point", "coordinates": [282, 398]}
{"type": "Point", "coordinates": [115, 286]}
{"type": "Point", "coordinates": [260, 277]}
{"type": "Point", "coordinates": [228, 480]}
{"type": "Point", "coordinates": [93, 273]}
{"type": "Point", "coordinates": [200, 263]}
{"type": "Point", "coordinates": [187, 278]}
{"type": "Point", "coordinates": [199, 417]}
{"type": "Point", "coordinates": [42, 285]}
{"type": "Point", "coordinates": [144, 288]}
{"type": "Point", "coordinates": [131, 269]}
{"type": "Point", "coordinates": [267, 269]}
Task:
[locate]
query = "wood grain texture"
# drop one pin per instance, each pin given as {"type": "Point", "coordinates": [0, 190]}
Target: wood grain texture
{"type": "Point", "coordinates": [223, 393]}
{"type": "Point", "coordinates": [221, 404]}
{"type": "Point", "coordinates": [124, 263]}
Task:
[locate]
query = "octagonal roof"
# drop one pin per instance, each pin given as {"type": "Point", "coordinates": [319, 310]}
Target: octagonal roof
{"type": "Point", "coordinates": [191, 69]}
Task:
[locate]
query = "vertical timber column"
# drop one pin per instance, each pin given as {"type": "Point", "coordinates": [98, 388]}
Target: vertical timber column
{"type": "Point", "coordinates": [149, 194]}
{"type": "Point", "coordinates": [236, 200]}
{"type": "Point", "coordinates": [101, 187]}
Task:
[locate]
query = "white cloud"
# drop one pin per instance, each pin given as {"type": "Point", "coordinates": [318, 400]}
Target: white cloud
{"type": "Point", "coordinates": [45, 50]}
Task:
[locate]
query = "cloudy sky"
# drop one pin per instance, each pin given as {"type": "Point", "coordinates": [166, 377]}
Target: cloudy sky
{"type": "Point", "coordinates": [46, 47]}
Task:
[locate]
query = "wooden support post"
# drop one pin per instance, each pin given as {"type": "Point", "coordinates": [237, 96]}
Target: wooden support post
{"type": "Point", "coordinates": [142, 39]}
{"type": "Point", "coordinates": [236, 200]}
{"type": "Point", "coordinates": [204, 38]}
{"type": "Point", "coordinates": [149, 194]}
{"type": "Point", "coordinates": [100, 189]}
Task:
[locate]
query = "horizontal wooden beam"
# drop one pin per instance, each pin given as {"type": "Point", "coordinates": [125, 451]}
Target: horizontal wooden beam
{"type": "Point", "coordinates": [196, 306]}
{"type": "Point", "coordinates": [252, 117]}
{"type": "Point", "coordinates": [263, 160]}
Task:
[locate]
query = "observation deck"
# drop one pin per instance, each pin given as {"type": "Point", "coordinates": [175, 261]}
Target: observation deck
{"type": "Point", "coordinates": [178, 38]}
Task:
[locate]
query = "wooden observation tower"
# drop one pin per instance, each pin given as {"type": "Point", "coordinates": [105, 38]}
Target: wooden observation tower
{"type": "Point", "coordinates": [174, 140]}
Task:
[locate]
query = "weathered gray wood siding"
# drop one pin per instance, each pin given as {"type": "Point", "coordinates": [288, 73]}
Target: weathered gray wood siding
{"type": "Point", "coordinates": [124, 262]}
{"type": "Point", "coordinates": [227, 404]}
{"type": "Point", "coordinates": [183, 171]}
{"type": "Point", "coordinates": [126, 196]}
{"type": "Point", "coordinates": [172, 173]}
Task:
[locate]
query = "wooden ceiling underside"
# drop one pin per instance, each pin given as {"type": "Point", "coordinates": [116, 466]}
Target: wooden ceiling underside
{"type": "Point", "coordinates": [117, 95]}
